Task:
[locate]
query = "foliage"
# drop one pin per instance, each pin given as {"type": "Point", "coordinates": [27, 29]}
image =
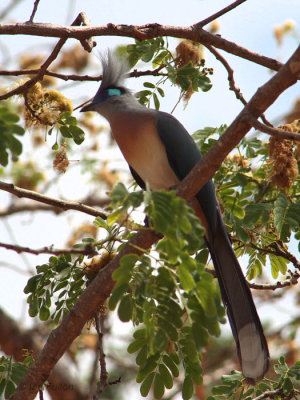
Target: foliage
{"type": "Point", "coordinates": [8, 141]}
{"type": "Point", "coordinates": [62, 278]}
{"type": "Point", "coordinates": [67, 125]}
{"type": "Point", "coordinates": [187, 75]}
{"type": "Point", "coordinates": [171, 296]}
{"type": "Point", "coordinates": [261, 218]}
{"type": "Point", "coordinates": [286, 387]}
{"type": "Point", "coordinates": [11, 374]}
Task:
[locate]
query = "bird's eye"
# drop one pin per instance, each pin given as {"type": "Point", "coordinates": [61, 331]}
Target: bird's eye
{"type": "Point", "coordinates": [113, 92]}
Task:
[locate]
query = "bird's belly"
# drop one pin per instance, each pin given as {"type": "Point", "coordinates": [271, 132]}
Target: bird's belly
{"type": "Point", "coordinates": [146, 154]}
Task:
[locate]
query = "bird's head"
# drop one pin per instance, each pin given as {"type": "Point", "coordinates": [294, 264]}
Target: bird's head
{"type": "Point", "coordinates": [111, 91]}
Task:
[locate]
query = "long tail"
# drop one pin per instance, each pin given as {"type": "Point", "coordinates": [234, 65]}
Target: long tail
{"type": "Point", "coordinates": [246, 327]}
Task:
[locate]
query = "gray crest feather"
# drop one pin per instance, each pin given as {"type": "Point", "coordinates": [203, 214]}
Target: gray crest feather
{"type": "Point", "coordinates": [114, 70]}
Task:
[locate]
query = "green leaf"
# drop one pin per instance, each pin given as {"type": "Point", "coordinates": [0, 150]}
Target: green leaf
{"type": "Point", "coordinates": [146, 385]}
{"type": "Point", "coordinates": [278, 264]}
{"type": "Point", "coordinates": [125, 308]}
{"type": "Point", "coordinates": [65, 131]}
{"type": "Point", "coordinates": [185, 277]}
{"type": "Point", "coordinates": [158, 386]}
{"type": "Point", "coordinates": [171, 365]}
{"type": "Point", "coordinates": [149, 366]}
{"type": "Point", "coordinates": [187, 388]}
{"type": "Point", "coordinates": [149, 85]}
{"type": "Point", "coordinates": [156, 101]}
{"type": "Point", "coordinates": [9, 389]}
{"type": "Point", "coordinates": [117, 293]}
{"type": "Point", "coordinates": [166, 376]}
{"type": "Point", "coordinates": [44, 313]}
{"type": "Point", "coordinates": [204, 83]}
{"type": "Point", "coordinates": [77, 134]}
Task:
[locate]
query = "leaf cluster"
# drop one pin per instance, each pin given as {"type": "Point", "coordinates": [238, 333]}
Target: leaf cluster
{"type": "Point", "coordinates": [11, 374]}
{"type": "Point", "coordinates": [67, 125]}
{"type": "Point", "coordinates": [172, 297]}
{"type": "Point", "coordinates": [285, 388]}
{"type": "Point", "coordinates": [156, 50]}
{"type": "Point", "coordinates": [9, 129]}
{"type": "Point", "coordinates": [260, 217]}
{"type": "Point", "coordinates": [60, 281]}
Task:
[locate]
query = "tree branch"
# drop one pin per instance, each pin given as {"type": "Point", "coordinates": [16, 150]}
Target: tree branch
{"type": "Point", "coordinates": [81, 18]}
{"type": "Point", "coordinates": [220, 13]}
{"type": "Point", "coordinates": [35, 6]}
{"type": "Point", "coordinates": [63, 204]}
{"type": "Point", "coordinates": [273, 131]}
{"type": "Point", "coordinates": [88, 250]}
{"type": "Point", "coordinates": [139, 32]}
{"type": "Point", "coordinates": [35, 207]}
{"type": "Point", "coordinates": [92, 297]}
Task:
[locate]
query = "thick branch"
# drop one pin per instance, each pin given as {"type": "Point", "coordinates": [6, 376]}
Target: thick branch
{"type": "Point", "coordinates": [63, 204]}
{"type": "Point", "coordinates": [139, 32]}
{"type": "Point", "coordinates": [100, 288]}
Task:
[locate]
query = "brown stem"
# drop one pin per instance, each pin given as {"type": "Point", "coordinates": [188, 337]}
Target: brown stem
{"type": "Point", "coordinates": [35, 6]}
{"type": "Point", "coordinates": [273, 131]}
{"type": "Point", "coordinates": [39, 76]}
{"type": "Point", "coordinates": [220, 13]}
{"type": "Point", "coordinates": [63, 204]}
{"type": "Point", "coordinates": [87, 250]}
{"type": "Point", "coordinates": [103, 382]}
{"type": "Point", "coordinates": [140, 32]}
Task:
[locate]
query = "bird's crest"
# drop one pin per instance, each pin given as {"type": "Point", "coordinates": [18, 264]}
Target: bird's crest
{"type": "Point", "coordinates": [114, 69]}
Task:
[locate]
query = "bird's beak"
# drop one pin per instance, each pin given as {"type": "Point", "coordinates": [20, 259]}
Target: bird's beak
{"type": "Point", "coordinates": [88, 107]}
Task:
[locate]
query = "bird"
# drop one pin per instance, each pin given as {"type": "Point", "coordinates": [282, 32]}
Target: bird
{"type": "Point", "coordinates": [160, 152]}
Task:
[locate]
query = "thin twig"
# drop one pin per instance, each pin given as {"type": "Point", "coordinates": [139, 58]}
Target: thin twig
{"type": "Point", "coordinates": [229, 70]}
{"type": "Point", "coordinates": [292, 280]}
{"type": "Point", "coordinates": [39, 76]}
{"type": "Point", "coordinates": [273, 131]}
{"type": "Point", "coordinates": [35, 6]}
{"type": "Point", "coordinates": [32, 112]}
{"type": "Point", "coordinates": [88, 250]}
{"type": "Point", "coordinates": [219, 13]}
{"type": "Point", "coordinates": [103, 382]}
{"type": "Point", "coordinates": [232, 85]}
{"type": "Point", "coordinates": [81, 78]}
{"type": "Point", "coordinates": [63, 204]}
{"type": "Point", "coordinates": [17, 208]}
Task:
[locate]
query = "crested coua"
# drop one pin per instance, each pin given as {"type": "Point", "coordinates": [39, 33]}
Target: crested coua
{"type": "Point", "coordinates": [160, 151]}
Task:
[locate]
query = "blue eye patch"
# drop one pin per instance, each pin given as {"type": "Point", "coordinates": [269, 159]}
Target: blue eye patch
{"type": "Point", "coordinates": [113, 92]}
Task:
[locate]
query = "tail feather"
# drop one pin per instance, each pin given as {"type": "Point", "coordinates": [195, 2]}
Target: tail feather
{"type": "Point", "coordinates": [248, 333]}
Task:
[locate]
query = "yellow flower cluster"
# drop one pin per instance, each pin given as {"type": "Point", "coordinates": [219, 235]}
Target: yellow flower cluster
{"type": "Point", "coordinates": [284, 168]}
{"type": "Point", "coordinates": [45, 106]}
